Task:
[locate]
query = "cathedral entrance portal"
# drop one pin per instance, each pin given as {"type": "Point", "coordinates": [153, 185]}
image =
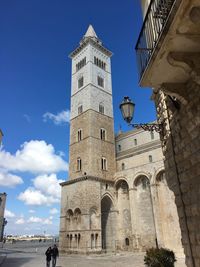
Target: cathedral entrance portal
{"type": "Point", "coordinates": [107, 224]}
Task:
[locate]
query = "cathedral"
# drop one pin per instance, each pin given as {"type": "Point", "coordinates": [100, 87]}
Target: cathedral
{"type": "Point", "coordinates": [116, 197]}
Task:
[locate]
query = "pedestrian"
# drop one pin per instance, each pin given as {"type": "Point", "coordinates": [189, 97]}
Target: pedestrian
{"type": "Point", "coordinates": [54, 254]}
{"type": "Point", "coordinates": [48, 256]}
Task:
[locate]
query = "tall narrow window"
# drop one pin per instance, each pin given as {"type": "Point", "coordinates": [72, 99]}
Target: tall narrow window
{"type": "Point", "coordinates": [80, 109]}
{"type": "Point", "coordinates": [152, 135]}
{"type": "Point", "coordinates": [79, 164]}
{"type": "Point", "coordinates": [100, 81]}
{"type": "Point", "coordinates": [150, 158]}
{"type": "Point", "coordinates": [119, 148]}
{"type": "Point", "coordinates": [103, 134]}
{"type": "Point", "coordinates": [123, 166]}
{"type": "Point", "coordinates": [101, 108]}
{"type": "Point", "coordinates": [80, 82]}
{"type": "Point", "coordinates": [135, 142]}
{"type": "Point", "coordinates": [103, 163]}
{"type": "Point", "coordinates": [79, 135]}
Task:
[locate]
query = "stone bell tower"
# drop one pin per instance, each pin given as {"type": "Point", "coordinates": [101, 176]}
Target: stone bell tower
{"type": "Point", "coordinates": [91, 134]}
{"type": "Point", "coordinates": [92, 162]}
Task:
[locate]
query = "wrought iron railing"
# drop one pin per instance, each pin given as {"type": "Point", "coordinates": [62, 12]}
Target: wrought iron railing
{"type": "Point", "coordinates": [154, 22]}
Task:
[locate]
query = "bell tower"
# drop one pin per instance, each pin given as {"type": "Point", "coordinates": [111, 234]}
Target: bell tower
{"type": "Point", "coordinates": [92, 149]}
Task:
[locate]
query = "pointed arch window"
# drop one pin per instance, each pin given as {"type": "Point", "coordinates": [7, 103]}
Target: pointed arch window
{"type": "Point", "coordinates": [80, 109]}
{"type": "Point", "coordinates": [103, 163]}
{"type": "Point", "coordinates": [80, 82]}
{"type": "Point", "coordinates": [103, 134]}
{"type": "Point", "coordinates": [79, 164]}
{"type": "Point", "coordinates": [100, 81]}
{"type": "Point", "coordinates": [101, 108]}
{"type": "Point", "coordinates": [152, 135]}
{"type": "Point", "coordinates": [123, 166]}
{"type": "Point", "coordinates": [80, 135]}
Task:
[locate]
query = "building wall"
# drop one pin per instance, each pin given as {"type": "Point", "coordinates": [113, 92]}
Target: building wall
{"type": "Point", "coordinates": [91, 148]}
{"type": "Point", "coordinates": [181, 150]}
{"type": "Point", "coordinates": [2, 209]}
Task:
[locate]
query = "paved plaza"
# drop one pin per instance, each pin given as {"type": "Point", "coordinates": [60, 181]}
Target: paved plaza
{"type": "Point", "coordinates": [32, 255]}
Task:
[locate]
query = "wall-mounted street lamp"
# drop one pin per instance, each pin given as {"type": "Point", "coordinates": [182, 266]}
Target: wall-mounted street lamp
{"type": "Point", "coordinates": [127, 109]}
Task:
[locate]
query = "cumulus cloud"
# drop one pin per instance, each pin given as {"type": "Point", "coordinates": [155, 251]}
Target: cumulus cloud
{"type": "Point", "coordinates": [8, 179]}
{"type": "Point", "coordinates": [31, 211]}
{"type": "Point", "coordinates": [48, 184]}
{"type": "Point", "coordinates": [9, 214]}
{"type": "Point", "coordinates": [45, 191]}
{"type": "Point", "coordinates": [31, 196]}
{"type": "Point", "coordinates": [58, 119]}
{"type": "Point", "coordinates": [20, 221]}
{"type": "Point", "coordinates": [40, 220]}
{"type": "Point", "coordinates": [53, 211]}
{"type": "Point", "coordinates": [35, 157]}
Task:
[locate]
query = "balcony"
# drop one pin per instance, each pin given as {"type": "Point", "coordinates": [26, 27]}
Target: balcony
{"type": "Point", "coordinates": [169, 38]}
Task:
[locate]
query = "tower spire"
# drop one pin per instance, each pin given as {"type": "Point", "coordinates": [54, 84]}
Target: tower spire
{"type": "Point", "coordinates": [90, 32]}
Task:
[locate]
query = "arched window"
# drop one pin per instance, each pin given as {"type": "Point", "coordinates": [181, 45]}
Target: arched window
{"type": "Point", "coordinates": [101, 108]}
{"type": "Point", "coordinates": [79, 164]}
{"type": "Point", "coordinates": [150, 158]}
{"type": "Point", "coordinates": [79, 239]}
{"type": "Point", "coordinates": [103, 134]}
{"type": "Point", "coordinates": [152, 135]}
{"type": "Point", "coordinates": [100, 81]}
{"type": "Point", "coordinates": [77, 215]}
{"type": "Point", "coordinates": [127, 241]}
{"type": "Point", "coordinates": [123, 166]}
{"type": "Point", "coordinates": [103, 163]}
{"type": "Point", "coordinates": [80, 82]}
{"type": "Point", "coordinates": [135, 142]}
{"type": "Point", "coordinates": [119, 147]}
{"type": "Point", "coordinates": [80, 109]}
{"type": "Point", "coordinates": [79, 135]}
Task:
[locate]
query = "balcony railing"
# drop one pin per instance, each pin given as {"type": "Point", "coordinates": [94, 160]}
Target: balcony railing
{"type": "Point", "coordinates": [154, 22]}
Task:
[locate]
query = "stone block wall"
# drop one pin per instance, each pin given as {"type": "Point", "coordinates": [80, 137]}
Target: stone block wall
{"type": "Point", "coordinates": [181, 146]}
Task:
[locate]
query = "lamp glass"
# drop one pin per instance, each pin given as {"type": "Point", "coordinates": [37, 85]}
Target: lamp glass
{"type": "Point", "coordinates": [127, 109]}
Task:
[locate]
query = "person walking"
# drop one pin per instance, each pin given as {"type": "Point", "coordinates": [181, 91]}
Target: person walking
{"type": "Point", "coordinates": [54, 254]}
{"type": "Point", "coordinates": [48, 256]}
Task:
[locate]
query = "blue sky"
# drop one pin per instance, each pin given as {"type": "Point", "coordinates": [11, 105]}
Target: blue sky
{"type": "Point", "coordinates": [35, 79]}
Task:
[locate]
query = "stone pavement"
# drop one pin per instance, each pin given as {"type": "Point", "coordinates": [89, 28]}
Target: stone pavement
{"type": "Point", "coordinates": [33, 256]}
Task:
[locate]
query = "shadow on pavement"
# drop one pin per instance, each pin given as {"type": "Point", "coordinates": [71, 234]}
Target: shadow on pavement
{"type": "Point", "coordinates": [17, 262]}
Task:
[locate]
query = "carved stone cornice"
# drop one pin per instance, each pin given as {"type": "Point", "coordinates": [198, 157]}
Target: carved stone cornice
{"type": "Point", "coordinates": [189, 62]}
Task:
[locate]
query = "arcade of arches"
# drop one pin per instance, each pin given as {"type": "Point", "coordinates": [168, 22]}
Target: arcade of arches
{"type": "Point", "coordinates": [131, 216]}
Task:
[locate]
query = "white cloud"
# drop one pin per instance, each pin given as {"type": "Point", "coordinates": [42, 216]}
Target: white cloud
{"type": "Point", "coordinates": [53, 211]}
{"type": "Point", "coordinates": [8, 179]}
{"type": "Point", "coordinates": [31, 196]}
{"type": "Point", "coordinates": [34, 156]}
{"type": "Point", "coordinates": [31, 211]}
{"type": "Point", "coordinates": [48, 184]}
{"type": "Point", "coordinates": [47, 221]}
{"type": "Point", "coordinates": [9, 214]}
{"type": "Point", "coordinates": [34, 220]}
{"type": "Point", "coordinates": [20, 221]}
{"type": "Point", "coordinates": [46, 191]}
{"type": "Point", "coordinates": [59, 118]}
{"type": "Point", "coordinates": [40, 220]}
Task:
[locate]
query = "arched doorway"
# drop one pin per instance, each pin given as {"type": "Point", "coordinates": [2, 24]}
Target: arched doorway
{"type": "Point", "coordinates": [108, 223]}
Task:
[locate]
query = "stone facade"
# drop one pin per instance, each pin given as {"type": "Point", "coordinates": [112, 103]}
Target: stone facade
{"type": "Point", "coordinates": [2, 210]}
{"type": "Point", "coordinates": [173, 72]}
{"type": "Point", "coordinates": [124, 203]}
